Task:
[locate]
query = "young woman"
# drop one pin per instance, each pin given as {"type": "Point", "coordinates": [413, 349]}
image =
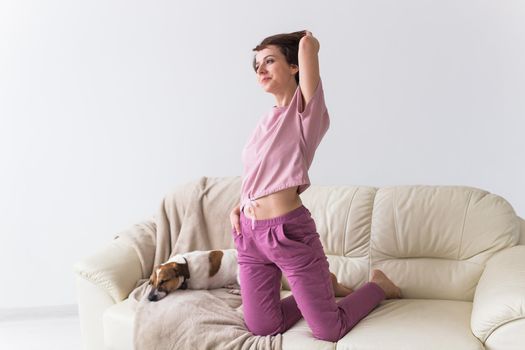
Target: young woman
{"type": "Point", "coordinates": [273, 231]}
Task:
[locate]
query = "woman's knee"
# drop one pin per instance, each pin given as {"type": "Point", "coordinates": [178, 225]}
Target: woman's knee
{"type": "Point", "coordinates": [260, 327]}
{"type": "Point", "coordinates": [267, 320]}
{"type": "Point", "coordinates": [327, 334]}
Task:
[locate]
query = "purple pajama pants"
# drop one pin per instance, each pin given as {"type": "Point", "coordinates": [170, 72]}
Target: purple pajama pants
{"type": "Point", "coordinates": [290, 244]}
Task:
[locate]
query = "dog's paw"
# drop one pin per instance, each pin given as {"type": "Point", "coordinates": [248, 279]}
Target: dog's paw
{"type": "Point", "coordinates": [235, 291]}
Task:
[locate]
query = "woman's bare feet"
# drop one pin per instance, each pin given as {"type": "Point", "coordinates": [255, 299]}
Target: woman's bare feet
{"type": "Point", "coordinates": [390, 289]}
{"type": "Point", "coordinates": [339, 289]}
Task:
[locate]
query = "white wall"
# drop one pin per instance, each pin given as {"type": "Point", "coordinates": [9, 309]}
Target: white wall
{"type": "Point", "coordinates": [106, 106]}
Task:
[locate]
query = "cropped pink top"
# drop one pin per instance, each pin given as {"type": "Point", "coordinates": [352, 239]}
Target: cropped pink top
{"type": "Point", "coordinates": [281, 149]}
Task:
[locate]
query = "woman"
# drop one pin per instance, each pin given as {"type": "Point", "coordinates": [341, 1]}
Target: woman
{"type": "Point", "coordinates": [273, 231]}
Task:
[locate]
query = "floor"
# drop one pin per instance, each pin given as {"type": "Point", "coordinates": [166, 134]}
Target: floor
{"type": "Point", "coordinates": [55, 333]}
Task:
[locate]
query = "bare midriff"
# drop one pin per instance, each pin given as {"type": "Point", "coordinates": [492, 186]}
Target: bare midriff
{"type": "Point", "coordinates": [275, 204]}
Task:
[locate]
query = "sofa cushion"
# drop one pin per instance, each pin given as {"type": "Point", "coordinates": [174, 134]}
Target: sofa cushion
{"type": "Point", "coordinates": [414, 324]}
{"type": "Point", "coordinates": [299, 336]}
{"type": "Point", "coordinates": [432, 240]}
{"type": "Point", "coordinates": [435, 240]}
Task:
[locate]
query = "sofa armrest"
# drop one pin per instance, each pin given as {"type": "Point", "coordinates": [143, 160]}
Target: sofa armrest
{"type": "Point", "coordinates": [115, 269]}
{"type": "Point", "coordinates": [500, 293]}
{"type": "Point", "coordinates": [108, 276]}
{"type": "Point", "coordinates": [104, 279]}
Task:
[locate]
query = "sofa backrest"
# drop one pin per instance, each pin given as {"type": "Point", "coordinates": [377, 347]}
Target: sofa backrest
{"type": "Point", "coordinates": [522, 235]}
{"type": "Point", "coordinates": [432, 241]}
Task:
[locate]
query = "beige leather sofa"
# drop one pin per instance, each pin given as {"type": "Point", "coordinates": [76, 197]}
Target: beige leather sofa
{"type": "Point", "coordinates": [456, 252]}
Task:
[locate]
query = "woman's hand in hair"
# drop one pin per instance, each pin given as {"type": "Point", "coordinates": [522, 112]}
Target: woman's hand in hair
{"type": "Point", "coordinates": [309, 39]}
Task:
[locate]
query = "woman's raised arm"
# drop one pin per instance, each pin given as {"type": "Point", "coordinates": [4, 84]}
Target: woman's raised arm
{"type": "Point", "coordinates": [308, 66]}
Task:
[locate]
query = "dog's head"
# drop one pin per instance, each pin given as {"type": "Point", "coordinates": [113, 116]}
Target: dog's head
{"type": "Point", "coordinates": [166, 278]}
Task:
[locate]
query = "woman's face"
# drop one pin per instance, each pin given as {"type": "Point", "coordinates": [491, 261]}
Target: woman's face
{"type": "Point", "coordinates": [272, 70]}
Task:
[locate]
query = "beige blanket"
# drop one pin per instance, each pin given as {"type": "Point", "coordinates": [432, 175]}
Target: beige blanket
{"type": "Point", "coordinates": [195, 216]}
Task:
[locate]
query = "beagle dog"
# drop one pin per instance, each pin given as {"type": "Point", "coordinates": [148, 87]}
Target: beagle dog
{"type": "Point", "coordinates": [196, 270]}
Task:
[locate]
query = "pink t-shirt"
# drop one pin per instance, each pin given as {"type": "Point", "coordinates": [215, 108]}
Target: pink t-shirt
{"type": "Point", "coordinates": [281, 149]}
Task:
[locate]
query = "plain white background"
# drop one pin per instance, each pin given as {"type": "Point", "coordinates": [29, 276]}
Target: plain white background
{"type": "Point", "coordinates": [106, 106]}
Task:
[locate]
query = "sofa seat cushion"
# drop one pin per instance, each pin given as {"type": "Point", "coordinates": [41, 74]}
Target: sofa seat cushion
{"type": "Point", "coordinates": [395, 324]}
{"type": "Point", "coordinates": [414, 324]}
{"type": "Point", "coordinates": [299, 336]}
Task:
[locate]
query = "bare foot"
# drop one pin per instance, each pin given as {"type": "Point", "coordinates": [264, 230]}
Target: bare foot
{"type": "Point", "coordinates": [391, 290]}
{"type": "Point", "coordinates": [339, 289]}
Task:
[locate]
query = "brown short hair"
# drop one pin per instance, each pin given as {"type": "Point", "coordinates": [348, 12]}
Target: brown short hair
{"type": "Point", "coordinates": [288, 44]}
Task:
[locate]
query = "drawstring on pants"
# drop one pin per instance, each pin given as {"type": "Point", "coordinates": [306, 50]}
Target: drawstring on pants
{"type": "Point", "coordinates": [252, 204]}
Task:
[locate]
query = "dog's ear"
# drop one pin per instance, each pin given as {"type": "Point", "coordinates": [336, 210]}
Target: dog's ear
{"type": "Point", "coordinates": [184, 271]}
{"type": "Point", "coordinates": [179, 269]}
{"type": "Point", "coordinates": [153, 277]}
